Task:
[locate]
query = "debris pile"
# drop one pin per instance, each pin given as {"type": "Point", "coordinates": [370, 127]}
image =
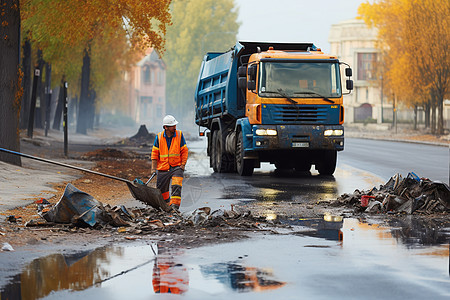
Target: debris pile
{"type": "Point", "coordinates": [142, 138]}
{"type": "Point", "coordinates": [108, 153]}
{"type": "Point", "coordinates": [410, 195]}
{"type": "Point", "coordinates": [79, 209]}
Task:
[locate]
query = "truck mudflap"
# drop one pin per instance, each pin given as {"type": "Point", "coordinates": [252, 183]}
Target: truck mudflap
{"type": "Point", "coordinates": [298, 137]}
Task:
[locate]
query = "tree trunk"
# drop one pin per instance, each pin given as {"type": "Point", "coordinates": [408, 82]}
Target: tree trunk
{"type": "Point", "coordinates": [10, 80]}
{"type": "Point", "coordinates": [84, 105]}
{"type": "Point", "coordinates": [59, 108]}
{"type": "Point", "coordinates": [26, 65]}
{"type": "Point", "coordinates": [415, 117]}
{"type": "Point", "coordinates": [440, 123]}
{"type": "Point", "coordinates": [72, 110]}
{"type": "Point", "coordinates": [91, 115]}
{"type": "Point", "coordinates": [433, 114]}
{"type": "Point", "coordinates": [427, 114]}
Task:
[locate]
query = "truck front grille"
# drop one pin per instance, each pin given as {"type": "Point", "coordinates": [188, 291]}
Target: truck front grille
{"type": "Point", "coordinates": [298, 114]}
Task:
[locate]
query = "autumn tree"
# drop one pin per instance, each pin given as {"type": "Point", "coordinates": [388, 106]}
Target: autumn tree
{"type": "Point", "coordinates": [10, 78]}
{"type": "Point", "coordinates": [414, 38]}
{"type": "Point", "coordinates": [88, 41]}
{"type": "Point", "coordinates": [199, 26]}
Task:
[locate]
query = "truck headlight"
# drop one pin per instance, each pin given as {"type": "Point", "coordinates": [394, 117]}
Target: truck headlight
{"type": "Point", "coordinates": [336, 132]}
{"type": "Point", "coordinates": [266, 132]}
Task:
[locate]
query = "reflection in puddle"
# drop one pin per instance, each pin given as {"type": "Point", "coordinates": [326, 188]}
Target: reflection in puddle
{"type": "Point", "coordinates": [75, 272]}
{"type": "Point", "coordinates": [101, 268]}
{"type": "Point", "coordinates": [168, 275]}
{"type": "Point", "coordinates": [329, 227]}
{"type": "Point", "coordinates": [301, 189]}
{"type": "Point", "coordinates": [241, 278]}
{"type": "Point", "coordinates": [414, 231]}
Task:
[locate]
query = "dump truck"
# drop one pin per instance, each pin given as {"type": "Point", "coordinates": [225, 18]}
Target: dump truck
{"type": "Point", "coordinates": [280, 103]}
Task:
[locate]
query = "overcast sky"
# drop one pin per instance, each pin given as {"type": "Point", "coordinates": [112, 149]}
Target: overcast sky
{"type": "Point", "coordinates": [293, 20]}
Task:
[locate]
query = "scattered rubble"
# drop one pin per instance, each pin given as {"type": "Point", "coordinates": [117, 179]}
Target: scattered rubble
{"type": "Point", "coordinates": [79, 209]}
{"type": "Point", "coordinates": [409, 195]}
{"type": "Point", "coordinates": [7, 247]}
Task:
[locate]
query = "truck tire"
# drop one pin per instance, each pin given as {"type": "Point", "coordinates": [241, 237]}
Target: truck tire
{"type": "Point", "coordinates": [222, 161]}
{"type": "Point", "coordinates": [244, 167]}
{"type": "Point", "coordinates": [327, 164]}
{"type": "Point", "coordinates": [213, 157]}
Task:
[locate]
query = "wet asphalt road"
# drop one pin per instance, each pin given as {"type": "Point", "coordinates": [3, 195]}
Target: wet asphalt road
{"type": "Point", "coordinates": [316, 259]}
{"type": "Point", "coordinates": [362, 165]}
{"type": "Point", "coordinates": [384, 158]}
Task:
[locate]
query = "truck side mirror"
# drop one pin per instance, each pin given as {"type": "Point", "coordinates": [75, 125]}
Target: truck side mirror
{"type": "Point", "coordinates": [242, 71]}
{"type": "Point", "coordinates": [252, 72]}
{"type": "Point", "coordinates": [251, 85]}
{"type": "Point", "coordinates": [348, 72]}
{"type": "Point", "coordinates": [349, 84]}
{"type": "Point", "coordinates": [242, 82]}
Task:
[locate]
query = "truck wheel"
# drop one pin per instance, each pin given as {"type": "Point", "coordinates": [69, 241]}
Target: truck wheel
{"type": "Point", "coordinates": [224, 162]}
{"type": "Point", "coordinates": [243, 166]}
{"type": "Point", "coordinates": [327, 163]}
{"type": "Point", "coordinates": [219, 152]}
{"type": "Point", "coordinates": [211, 149]}
{"type": "Point", "coordinates": [213, 157]}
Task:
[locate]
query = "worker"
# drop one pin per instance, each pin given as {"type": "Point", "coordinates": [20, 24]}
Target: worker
{"type": "Point", "coordinates": [169, 157]}
{"type": "Point", "coordinates": [169, 276]}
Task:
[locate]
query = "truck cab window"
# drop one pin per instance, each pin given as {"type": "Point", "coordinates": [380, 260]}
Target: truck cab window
{"type": "Point", "coordinates": [300, 79]}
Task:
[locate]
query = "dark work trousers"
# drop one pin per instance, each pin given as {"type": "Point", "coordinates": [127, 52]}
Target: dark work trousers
{"type": "Point", "coordinates": [163, 183]}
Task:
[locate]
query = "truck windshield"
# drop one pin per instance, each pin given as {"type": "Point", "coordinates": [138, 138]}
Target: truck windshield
{"type": "Point", "coordinates": [299, 80]}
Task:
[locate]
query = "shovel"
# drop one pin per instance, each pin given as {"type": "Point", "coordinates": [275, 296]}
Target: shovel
{"type": "Point", "coordinates": [142, 192]}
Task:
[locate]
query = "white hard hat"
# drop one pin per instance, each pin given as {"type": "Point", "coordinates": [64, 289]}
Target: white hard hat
{"type": "Point", "coordinates": [169, 121]}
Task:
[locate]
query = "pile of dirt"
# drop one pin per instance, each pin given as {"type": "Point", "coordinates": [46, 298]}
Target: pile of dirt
{"type": "Point", "coordinates": [108, 153]}
{"type": "Point", "coordinates": [141, 139]}
{"type": "Point", "coordinates": [409, 195]}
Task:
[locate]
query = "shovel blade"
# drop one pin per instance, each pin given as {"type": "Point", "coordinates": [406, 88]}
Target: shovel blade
{"type": "Point", "coordinates": [148, 195]}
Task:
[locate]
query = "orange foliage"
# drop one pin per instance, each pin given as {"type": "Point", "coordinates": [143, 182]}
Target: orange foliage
{"type": "Point", "coordinates": [81, 21]}
{"type": "Point", "coordinates": [414, 38]}
{"type": "Point", "coordinates": [113, 30]}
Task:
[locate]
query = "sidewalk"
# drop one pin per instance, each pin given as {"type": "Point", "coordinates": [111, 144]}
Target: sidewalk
{"type": "Point", "coordinates": [21, 186]}
{"type": "Point", "coordinates": [403, 133]}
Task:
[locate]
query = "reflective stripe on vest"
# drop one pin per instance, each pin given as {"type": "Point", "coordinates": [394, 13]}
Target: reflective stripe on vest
{"type": "Point", "coordinates": [169, 157]}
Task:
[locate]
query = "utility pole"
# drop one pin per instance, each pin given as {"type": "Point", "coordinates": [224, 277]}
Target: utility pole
{"type": "Point", "coordinates": [65, 119]}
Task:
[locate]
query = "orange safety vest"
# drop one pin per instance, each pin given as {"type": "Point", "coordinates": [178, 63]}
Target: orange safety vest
{"type": "Point", "coordinates": [169, 157]}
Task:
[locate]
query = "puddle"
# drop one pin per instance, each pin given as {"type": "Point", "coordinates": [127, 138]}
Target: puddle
{"type": "Point", "coordinates": [324, 258]}
{"type": "Point", "coordinates": [131, 271]}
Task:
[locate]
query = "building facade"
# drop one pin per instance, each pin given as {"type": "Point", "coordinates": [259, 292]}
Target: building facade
{"type": "Point", "coordinates": [354, 43]}
{"type": "Point", "coordinates": [147, 92]}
